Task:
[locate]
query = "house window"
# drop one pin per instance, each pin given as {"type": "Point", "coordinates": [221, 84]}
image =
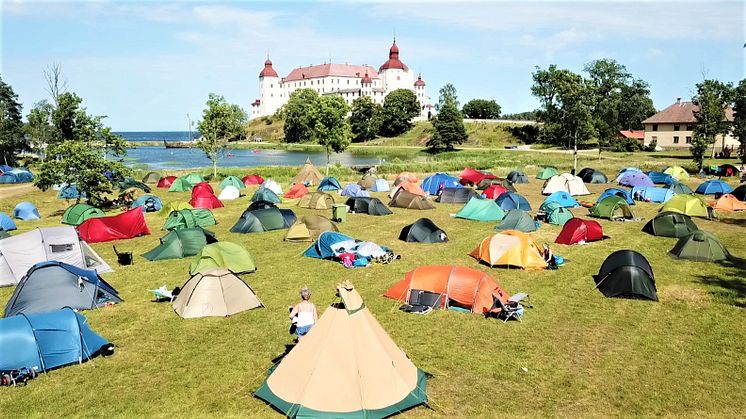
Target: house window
{"type": "Point", "coordinates": [676, 127]}
{"type": "Point", "coordinates": [688, 140]}
{"type": "Point", "coordinates": [675, 139]}
{"type": "Point", "coordinates": [690, 127]}
{"type": "Point", "coordinates": [655, 127]}
{"type": "Point", "coordinates": [655, 138]}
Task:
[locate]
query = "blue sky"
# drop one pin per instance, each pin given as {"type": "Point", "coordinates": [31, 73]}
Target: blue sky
{"type": "Point", "coordinates": [147, 64]}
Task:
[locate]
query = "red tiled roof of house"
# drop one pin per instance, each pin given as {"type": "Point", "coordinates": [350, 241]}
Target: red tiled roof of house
{"type": "Point", "coordinates": [636, 134]}
{"type": "Point", "coordinates": [681, 112]}
{"type": "Point", "coordinates": [325, 70]}
{"type": "Point", "coordinates": [393, 61]}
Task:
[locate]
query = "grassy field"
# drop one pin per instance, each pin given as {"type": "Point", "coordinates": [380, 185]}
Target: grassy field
{"type": "Point", "coordinates": [586, 355]}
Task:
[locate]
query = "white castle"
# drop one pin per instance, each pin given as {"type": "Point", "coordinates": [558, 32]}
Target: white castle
{"type": "Point", "coordinates": [349, 81]}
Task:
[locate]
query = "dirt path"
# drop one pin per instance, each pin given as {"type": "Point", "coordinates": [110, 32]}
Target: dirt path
{"type": "Point", "coordinates": [11, 191]}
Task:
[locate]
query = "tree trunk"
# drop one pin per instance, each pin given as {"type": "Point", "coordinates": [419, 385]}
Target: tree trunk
{"type": "Point", "coordinates": [712, 156]}
{"type": "Point", "coordinates": [575, 154]}
{"type": "Point", "coordinates": [328, 160]}
{"type": "Point", "coordinates": [214, 168]}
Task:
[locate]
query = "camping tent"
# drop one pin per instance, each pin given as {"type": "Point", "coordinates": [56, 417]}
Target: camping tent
{"type": "Point", "coordinates": [316, 200]}
{"type": "Point", "coordinates": [232, 181]}
{"type": "Point", "coordinates": [20, 252]}
{"type": "Point", "coordinates": [202, 187]}
{"type": "Point", "coordinates": [323, 248]}
{"type": "Point", "coordinates": [152, 177]}
{"type": "Point", "coordinates": [370, 206]}
{"type": "Point", "coordinates": [229, 193]}
{"type": "Point", "coordinates": [578, 230]}
{"type": "Point", "coordinates": [626, 274]}
{"type": "Point", "coordinates": [510, 248]}
{"type": "Point", "coordinates": [434, 183]}
{"type": "Point", "coordinates": [70, 192]}
{"type": "Point", "coordinates": [610, 206]}
{"type": "Point", "coordinates": [595, 176]}
{"type": "Point", "coordinates": [46, 341]}
{"type": "Point", "coordinates": [172, 206]}
{"type": "Point", "coordinates": [180, 185]}
{"type": "Point", "coordinates": [128, 183]}
{"type": "Point", "coordinates": [178, 244]}
{"type": "Point", "coordinates": [516, 176]}
{"type": "Point", "coordinates": [563, 198]}
{"type": "Point", "coordinates": [8, 177]}
{"type": "Point", "coordinates": [727, 170]}
{"type": "Point", "coordinates": [660, 178]}
{"type": "Point", "coordinates": [353, 189]}
{"type": "Point", "coordinates": [264, 219]}
{"type": "Point", "coordinates": [194, 178]}
{"type": "Point", "coordinates": [680, 188]}
{"type": "Point", "coordinates": [690, 205]}
{"type": "Point", "coordinates": [7, 223]}
{"type": "Point", "coordinates": [148, 203]}
{"type": "Point", "coordinates": [204, 197]}
{"type": "Point", "coordinates": [481, 210]}
{"type": "Point", "coordinates": [5, 168]}
{"type": "Point", "coordinates": [670, 224]}
{"type": "Point", "coordinates": [26, 211]}
{"type": "Point", "coordinates": [77, 213]}
{"type": "Point", "coordinates": [249, 180]}
{"type": "Point", "coordinates": [264, 194]}
{"type": "Point", "coordinates": [405, 177]}
{"type": "Point", "coordinates": [517, 219]}
{"type": "Point", "coordinates": [308, 175]}
{"type": "Point", "coordinates": [308, 228]}
{"type": "Point", "coordinates": [189, 218]}
{"type": "Point", "coordinates": [409, 187]}
{"type": "Point", "coordinates": [622, 193]}
{"type": "Point", "coordinates": [457, 195]}
{"type": "Point", "coordinates": [166, 182]}
{"type": "Point", "coordinates": [329, 184]}
{"type": "Point", "coordinates": [728, 202]}
{"type": "Point", "coordinates": [228, 255]}
{"type": "Point", "coordinates": [298, 190]}
{"type": "Point", "coordinates": [677, 172]}
{"type": "Point", "coordinates": [51, 286]}
{"type": "Point", "coordinates": [512, 200]}
{"type": "Point", "coordinates": [459, 287]}
{"type": "Point", "coordinates": [626, 171]}
{"type": "Point", "coordinates": [470, 176]}
{"type": "Point", "coordinates": [494, 191]}
{"type": "Point", "coordinates": [404, 199]}
{"type": "Point", "coordinates": [555, 213]}
{"type": "Point", "coordinates": [740, 193]}
{"type": "Point", "coordinates": [652, 194]}
{"type": "Point", "coordinates": [367, 181]}
{"type": "Point", "coordinates": [423, 231]}
{"type": "Point", "coordinates": [547, 173]}
{"type": "Point", "coordinates": [700, 246]}
{"type": "Point", "coordinates": [713, 187]}
{"type": "Point", "coordinates": [127, 225]}
{"type": "Point", "coordinates": [346, 366]}
{"type": "Point", "coordinates": [635, 179]}
{"type": "Point", "coordinates": [214, 293]}
{"type": "Point", "coordinates": [381, 185]}
{"type": "Point", "coordinates": [486, 183]}
{"type": "Point", "coordinates": [565, 182]}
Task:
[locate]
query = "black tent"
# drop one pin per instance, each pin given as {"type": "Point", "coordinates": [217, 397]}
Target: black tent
{"type": "Point", "coordinates": [457, 195]}
{"type": "Point", "coordinates": [261, 205]}
{"type": "Point", "coordinates": [592, 176]}
{"type": "Point", "coordinates": [626, 274]}
{"type": "Point", "coordinates": [740, 193]}
{"type": "Point", "coordinates": [365, 205]}
{"type": "Point", "coordinates": [423, 231]}
{"type": "Point", "coordinates": [517, 176]}
{"type": "Point", "coordinates": [264, 219]}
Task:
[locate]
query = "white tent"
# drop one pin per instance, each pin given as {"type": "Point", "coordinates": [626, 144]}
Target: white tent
{"type": "Point", "coordinates": [273, 186]}
{"type": "Point", "coordinates": [215, 292]}
{"type": "Point", "coordinates": [229, 193]}
{"type": "Point", "coordinates": [567, 183]}
{"type": "Point", "coordinates": [20, 252]}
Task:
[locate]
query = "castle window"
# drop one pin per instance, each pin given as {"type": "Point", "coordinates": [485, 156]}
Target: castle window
{"type": "Point", "coordinates": [675, 139]}
{"type": "Point", "coordinates": [690, 127]}
{"type": "Point", "coordinates": [348, 81]}
{"type": "Point", "coordinates": [271, 85]}
{"type": "Point", "coordinates": [676, 127]}
{"type": "Point", "coordinates": [398, 77]}
{"type": "Point", "coordinates": [688, 140]}
{"type": "Point", "coordinates": [655, 127]}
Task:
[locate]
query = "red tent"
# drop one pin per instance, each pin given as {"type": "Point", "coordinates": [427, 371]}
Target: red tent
{"type": "Point", "coordinates": [126, 225]}
{"type": "Point", "coordinates": [470, 176]}
{"type": "Point", "coordinates": [494, 191]}
{"type": "Point", "coordinates": [578, 230]}
{"type": "Point", "coordinates": [204, 197]}
{"type": "Point", "coordinates": [202, 187]}
{"type": "Point", "coordinates": [296, 191]}
{"type": "Point", "coordinates": [249, 180]}
{"type": "Point", "coordinates": [166, 182]}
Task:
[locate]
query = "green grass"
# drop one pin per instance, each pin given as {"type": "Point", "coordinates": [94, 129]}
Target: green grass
{"type": "Point", "coordinates": [585, 354]}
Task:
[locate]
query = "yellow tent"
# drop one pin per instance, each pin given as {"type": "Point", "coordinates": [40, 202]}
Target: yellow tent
{"type": "Point", "coordinates": [678, 172]}
{"type": "Point", "coordinates": [173, 206]}
{"type": "Point", "coordinates": [510, 248]}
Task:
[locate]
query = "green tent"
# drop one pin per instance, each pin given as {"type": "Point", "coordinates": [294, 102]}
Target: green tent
{"type": "Point", "coordinates": [265, 194]}
{"type": "Point", "coordinates": [546, 173]}
{"type": "Point", "coordinates": [556, 214]}
{"type": "Point", "coordinates": [670, 224]}
{"type": "Point", "coordinates": [189, 218]}
{"type": "Point", "coordinates": [172, 206]}
{"type": "Point", "coordinates": [194, 178]}
{"type": "Point", "coordinates": [232, 181]}
{"type": "Point", "coordinates": [680, 188]}
{"type": "Point", "coordinates": [129, 182]}
{"type": "Point", "coordinates": [610, 207]}
{"type": "Point", "coordinates": [77, 213]}
{"type": "Point", "coordinates": [690, 205]}
{"type": "Point", "coordinates": [180, 185]}
{"type": "Point", "coordinates": [151, 177]}
{"type": "Point", "coordinates": [481, 210]}
{"type": "Point", "coordinates": [700, 246]}
{"type": "Point", "coordinates": [231, 256]}
{"type": "Point", "coordinates": [261, 219]}
{"type": "Point", "coordinates": [178, 244]}
{"type": "Point", "coordinates": [517, 219]}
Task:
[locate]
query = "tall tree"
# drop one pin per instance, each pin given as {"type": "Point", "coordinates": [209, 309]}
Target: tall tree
{"type": "Point", "coordinates": [739, 118]}
{"type": "Point", "coordinates": [449, 129]}
{"type": "Point", "coordinates": [221, 123]}
{"type": "Point", "coordinates": [300, 116]}
{"type": "Point", "coordinates": [332, 130]}
{"type": "Point", "coordinates": [447, 93]}
{"type": "Point", "coordinates": [39, 126]}
{"type": "Point", "coordinates": [365, 119]}
{"type": "Point", "coordinates": [11, 125]}
{"type": "Point", "coordinates": [712, 100]}
{"type": "Point", "coordinates": [399, 107]}
{"type": "Point", "coordinates": [482, 109]}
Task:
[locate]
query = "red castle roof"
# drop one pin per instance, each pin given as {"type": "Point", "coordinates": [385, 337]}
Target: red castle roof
{"type": "Point", "coordinates": [268, 71]}
{"type": "Point", "coordinates": [393, 61]}
{"type": "Point", "coordinates": [419, 82]}
{"type": "Point", "coordinates": [326, 70]}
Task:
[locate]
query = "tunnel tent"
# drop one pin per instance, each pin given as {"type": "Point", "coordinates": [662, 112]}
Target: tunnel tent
{"type": "Point", "coordinates": [470, 176]}
{"type": "Point", "coordinates": [77, 213]}
{"type": "Point", "coordinates": [148, 203]}
{"type": "Point", "coordinates": [622, 193]}
{"type": "Point", "coordinates": [690, 205]}
{"type": "Point", "coordinates": [578, 230]}
{"type": "Point", "coordinates": [180, 185]}
{"type": "Point", "coordinates": [370, 206]}
{"type": "Point", "coordinates": [214, 293]}
{"type": "Point", "coordinates": [435, 183]}
{"type": "Point", "coordinates": [367, 181]}
{"type": "Point", "coordinates": [481, 210]}
{"type": "Point", "coordinates": [232, 181]}
{"type": "Point", "coordinates": [228, 255]}
{"type": "Point", "coordinates": [308, 228]}
{"type": "Point", "coordinates": [189, 218]}
{"type": "Point", "coordinates": [511, 200]}
{"type": "Point", "coordinates": [612, 208]}
{"type": "Point", "coordinates": [54, 285]}
{"type": "Point", "coordinates": [152, 177]}
{"type": "Point", "coordinates": [329, 184]}
{"type": "Point", "coordinates": [172, 206]}
{"type": "Point", "coordinates": [456, 195]}
{"type": "Point", "coordinates": [548, 172]}
{"type": "Point", "coordinates": [510, 248]}
{"type": "Point", "coordinates": [700, 246]}
{"type": "Point", "coordinates": [626, 274]}
{"type": "Point", "coordinates": [298, 190]}
{"type": "Point", "coordinates": [166, 182]}
{"type": "Point", "coordinates": [516, 176]}
{"type": "Point", "coordinates": [381, 185]}
{"type": "Point", "coordinates": [317, 200]}
{"type": "Point", "coordinates": [517, 219]}
{"type": "Point", "coordinates": [126, 225]}
{"type": "Point", "coordinates": [405, 177]}
{"type": "Point", "coordinates": [178, 244]}
{"type": "Point", "coordinates": [353, 189]}
{"type": "Point", "coordinates": [727, 170]}
{"type": "Point", "coordinates": [423, 230]}
{"type": "Point", "coordinates": [265, 219]}
{"type": "Point", "coordinates": [670, 224]}
{"type": "Point", "coordinates": [308, 175]}
{"type": "Point", "coordinates": [229, 193]}
{"type": "Point", "coordinates": [6, 223]}
{"type": "Point", "coordinates": [194, 178]}
{"type": "Point", "coordinates": [26, 211]}
{"type": "Point", "coordinates": [404, 199]}
{"type": "Point", "coordinates": [265, 194]}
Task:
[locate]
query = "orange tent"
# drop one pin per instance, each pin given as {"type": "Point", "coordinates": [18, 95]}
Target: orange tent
{"type": "Point", "coordinates": [510, 248]}
{"type": "Point", "coordinates": [728, 202]}
{"type": "Point", "coordinates": [409, 187]}
{"type": "Point", "coordinates": [296, 191]}
{"type": "Point", "coordinates": [461, 286]}
{"type": "Point", "coordinates": [407, 176]}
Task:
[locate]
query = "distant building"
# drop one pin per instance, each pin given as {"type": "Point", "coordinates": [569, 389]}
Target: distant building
{"type": "Point", "coordinates": [634, 134]}
{"type": "Point", "coordinates": [672, 127]}
{"type": "Point", "coordinates": [348, 81]}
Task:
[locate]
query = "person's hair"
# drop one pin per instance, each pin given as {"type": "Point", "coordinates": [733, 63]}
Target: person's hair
{"type": "Point", "coordinates": [305, 293]}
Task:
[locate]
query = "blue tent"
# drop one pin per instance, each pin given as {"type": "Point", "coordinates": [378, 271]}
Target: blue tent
{"type": "Point", "coordinates": [26, 211]}
{"type": "Point", "coordinates": [6, 223]}
{"type": "Point", "coordinates": [354, 190]}
{"type": "Point", "coordinates": [5, 168]}
{"type": "Point", "coordinates": [622, 193]}
{"type": "Point", "coordinates": [511, 200]}
{"type": "Point", "coordinates": [329, 184]}
{"type": "Point", "coordinates": [322, 249]}
{"type": "Point", "coordinates": [70, 192]}
{"type": "Point", "coordinates": [563, 198]}
{"type": "Point", "coordinates": [381, 185]}
{"type": "Point", "coordinates": [660, 178]}
{"type": "Point", "coordinates": [433, 184]}
{"type": "Point", "coordinates": [625, 171]}
{"type": "Point", "coordinates": [148, 203]}
{"type": "Point", "coordinates": [712, 187]}
{"type": "Point", "coordinates": [11, 178]}
{"type": "Point", "coordinates": [652, 194]}
{"type": "Point", "coordinates": [45, 341]}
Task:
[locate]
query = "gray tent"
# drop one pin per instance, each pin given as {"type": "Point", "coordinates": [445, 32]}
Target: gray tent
{"type": "Point", "coordinates": [457, 195]}
{"type": "Point", "coordinates": [517, 219]}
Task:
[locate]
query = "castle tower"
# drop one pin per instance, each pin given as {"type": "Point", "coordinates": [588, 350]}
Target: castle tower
{"type": "Point", "coordinates": [419, 91]}
{"type": "Point", "coordinates": [366, 86]}
{"type": "Point", "coordinates": [394, 73]}
{"type": "Point", "coordinates": [269, 90]}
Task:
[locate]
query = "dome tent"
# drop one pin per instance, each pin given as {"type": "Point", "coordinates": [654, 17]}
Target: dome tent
{"type": "Point", "coordinates": [180, 185]}
{"type": "Point", "coordinates": [214, 293]}
{"type": "Point", "coordinates": [172, 206]}
{"type": "Point", "coordinates": [592, 176]}
{"type": "Point", "coordinates": [690, 205]}
{"type": "Point", "coordinates": [626, 171]}
{"type": "Point", "coordinates": [404, 199]}
{"type": "Point", "coordinates": [713, 187]}
{"type": "Point", "coordinates": [556, 214]}
{"type": "Point", "coordinates": [510, 248]}
{"type": "Point", "coordinates": [481, 210]}
{"type": "Point", "coordinates": [381, 185]}
{"type": "Point", "coordinates": [423, 231]}
{"type": "Point", "coordinates": [728, 202]}
{"type": "Point", "coordinates": [678, 172]}
{"type": "Point", "coordinates": [609, 207]}
{"type": "Point", "coordinates": [308, 175]}
{"type": "Point", "coordinates": [567, 183]}
{"type": "Point", "coordinates": [660, 178]}
{"type": "Point", "coordinates": [622, 193]}
{"type": "Point", "coordinates": [409, 187]}
{"type": "Point", "coordinates": [563, 198]}
{"type": "Point", "coordinates": [6, 223]}
{"type": "Point", "coordinates": [308, 228]}
{"type": "Point", "coordinates": [70, 192]}
{"type": "Point", "coordinates": [228, 255]}
{"type": "Point", "coordinates": [511, 200]}
{"type": "Point", "coordinates": [435, 183]}
{"type": "Point", "coordinates": [265, 194]}
{"type": "Point", "coordinates": [517, 219]}
{"type": "Point", "coordinates": [329, 184]}
{"type": "Point", "coordinates": [494, 191]}
{"type": "Point", "coordinates": [317, 200]}
{"type": "Point", "coordinates": [370, 206]}
{"type": "Point", "coordinates": [249, 180]}
{"type": "Point", "coordinates": [229, 193]}
{"type": "Point", "coordinates": [298, 190]}
{"type": "Point", "coordinates": [148, 203]}
{"type": "Point", "coordinates": [26, 211]}
{"type": "Point", "coordinates": [353, 189]}
{"type": "Point", "coordinates": [635, 179]}
{"type": "Point", "coordinates": [178, 244]}
{"type": "Point", "coordinates": [77, 213]}
{"type": "Point", "coordinates": [232, 181]}
{"type": "Point", "coordinates": [204, 197]}
{"type": "Point", "coordinates": [457, 195]}
{"type": "Point", "coordinates": [670, 224]}
{"type": "Point", "coordinates": [264, 219]}
{"type": "Point", "coordinates": [626, 274]}
{"type": "Point", "coordinates": [128, 182]}
{"type": "Point", "coordinates": [516, 176]}
{"type": "Point", "coordinates": [740, 193]}
{"type": "Point", "coordinates": [700, 246]}
{"type": "Point", "coordinates": [652, 194]}
{"type": "Point", "coordinates": [189, 218]}
{"type": "Point", "coordinates": [166, 182]}
{"type": "Point", "coordinates": [194, 178]}
{"type": "Point", "coordinates": [578, 230]}
{"type": "Point", "coordinates": [547, 173]}
{"type": "Point", "coordinates": [152, 177]}
{"type": "Point", "coordinates": [367, 181]}
{"type": "Point", "coordinates": [680, 188]}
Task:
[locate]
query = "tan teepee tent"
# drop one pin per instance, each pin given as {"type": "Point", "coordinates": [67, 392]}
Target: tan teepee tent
{"type": "Point", "coordinates": [215, 292]}
{"type": "Point", "coordinates": [308, 173]}
{"type": "Point", "coordinates": [346, 366]}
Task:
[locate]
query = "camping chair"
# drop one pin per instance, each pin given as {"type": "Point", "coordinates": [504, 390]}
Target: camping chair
{"type": "Point", "coordinates": [511, 310]}
{"type": "Point", "coordinates": [124, 258]}
{"type": "Point", "coordinates": [163, 294]}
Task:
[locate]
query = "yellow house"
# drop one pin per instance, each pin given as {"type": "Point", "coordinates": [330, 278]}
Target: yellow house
{"type": "Point", "coordinates": [672, 127]}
